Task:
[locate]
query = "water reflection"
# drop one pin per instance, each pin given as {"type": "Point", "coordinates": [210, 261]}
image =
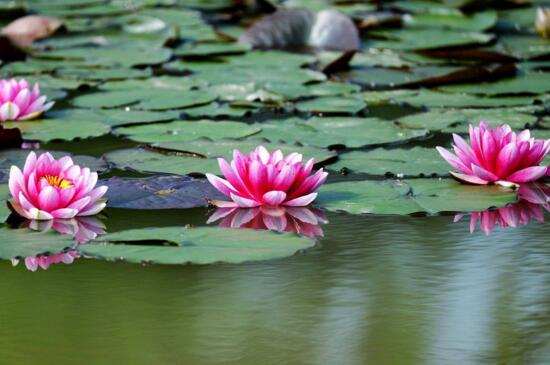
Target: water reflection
{"type": "Point", "coordinates": [533, 200]}
{"type": "Point", "coordinates": [83, 229]}
{"type": "Point", "coordinates": [300, 220]}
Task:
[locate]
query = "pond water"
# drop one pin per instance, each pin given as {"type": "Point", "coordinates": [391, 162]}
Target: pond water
{"type": "Point", "coordinates": [387, 271]}
{"type": "Point", "coordinates": [408, 290]}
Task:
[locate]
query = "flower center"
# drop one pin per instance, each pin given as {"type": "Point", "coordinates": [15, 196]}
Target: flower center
{"type": "Point", "coordinates": [58, 182]}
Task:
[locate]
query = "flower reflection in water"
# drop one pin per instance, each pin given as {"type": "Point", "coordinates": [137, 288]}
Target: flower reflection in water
{"type": "Point", "coordinates": [300, 220]}
{"type": "Point", "coordinates": [83, 229]}
{"type": "Point", "coordinates": [533, 200]}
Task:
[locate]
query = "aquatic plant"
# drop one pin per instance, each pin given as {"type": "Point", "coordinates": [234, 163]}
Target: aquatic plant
{"type": "Point", "coordinates": [19, 102]}
{"type": "Point", "coordinates": [49, 188]}
{"type": "Point", "coordinates": [498, 156]}
{"type": "Point", "coordinates": [300, 220]}
{"type": "Point", "coordinates": [44, 262]}
{"type": "Point", "coordinates": [267, 179]}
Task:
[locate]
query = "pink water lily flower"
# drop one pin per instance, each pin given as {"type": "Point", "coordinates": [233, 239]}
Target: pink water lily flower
{"type": "Point", "coordinates": [267, 179]}
{"type": "Point", "coordinates": [497, 156]}
{"type": "Point", "coordinates": [19, 102]}
{"type": "Point", "coordinates": [49, 188]}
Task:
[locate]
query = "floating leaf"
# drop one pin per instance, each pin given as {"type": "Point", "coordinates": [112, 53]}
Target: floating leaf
{"type": "Point", "coordinates": [117, 117]}
{"type": "Point", "coordinates": [349, 132]}
{"type": "Point", "coordinates": [20, 243]}
{"type": "Point", "coordinates": [417, 161]}
{"type": "Point", "coordinates": [187, 131]}
{"type": "Point", "coordinates": [416, 196]}
{"type": "Point", "coordinates": [453, 20]}
{"type": "Point", "coordinates": [423, 39]}
{"type": "Point", "coordinates": [435, 99]}
{"type": "Point", "coordinates": [332, 105]}
{"type": "Point", "coordinates": [66, 125]}
{"type": "Point", "coordinates": [4, 196]}
{"type": "Point", "coordinates": [163, 192]}
{"type": "Point", "coordinates": [530, 83]}
{"type": "Point", "coordinates": [203, 245]}
{"type": "Point", "coordinates": [457, 120]}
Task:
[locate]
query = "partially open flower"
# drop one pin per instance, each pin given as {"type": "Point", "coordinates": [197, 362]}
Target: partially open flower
{"type": "Point", "coordinates": [19, 102]}
{"type": "Point", "coordinates": [300, 220]}
{"type": "Point", "coordinates": [49, 188]}
{"type": "Point", "coordinates": [497, 156]}
{"type": "Point", "coordinates": [542, 22]}
{"type": "Point", "coordinates": [267, 179]}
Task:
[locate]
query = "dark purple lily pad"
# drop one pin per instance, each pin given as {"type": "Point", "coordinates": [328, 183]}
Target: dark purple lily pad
{"type": "Point", "coordinates": [163, 192]}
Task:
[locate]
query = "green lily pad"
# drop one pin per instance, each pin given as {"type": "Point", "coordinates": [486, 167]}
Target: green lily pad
{"type": "Point", "coordinates": [4, 196]}
{"type": "Point", "coordinates": [332, 89]}
{"type": "Point", "coordinates": [529, 83]}
{"type": "Point", "coordinates": [204, 245]}
{"type": "Point", "coordinates": [66, 125]}
{"type": "Point", "coordinates": [417, 161]}
{"type": "Point", "coordinates": [101, 74]}
{"type": "Point", "coordinates": [20, 243]}
{"type": "Point", "coordinates": [214, 110]}
{"type": "Point", "coordinates": [324, 132]}
{"type": "Point", "coordinates": [424, 39]}
{"type": "Point", "coordinates": [435, 99]}
{"type": "Point", "coordinates": [145, 99]}
{"type": "Point", "coordinates": [143, 160]}
{"type": "Point", "coordinates": [332, 105]}
{"type": "Point", "coordinates": [477, 22]}
{"type": "Point", "coordinates": [157, 82]}
{"type": "Point", "coordinates": [187, 131]}
{"type": "Point", "coordinates": [458, 120]}
{"type": "Point", "coordinates": [210, 49]}
{"type": "Point", "coordinates": [117, 117]}
{"type": "Point", "coordinates": [115, 56]}
{"type": "Point", "coordinates": [415, 196]}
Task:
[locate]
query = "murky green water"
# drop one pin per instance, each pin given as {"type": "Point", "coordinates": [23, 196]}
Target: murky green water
{"type": "Point", "coordinates": [376, 290]}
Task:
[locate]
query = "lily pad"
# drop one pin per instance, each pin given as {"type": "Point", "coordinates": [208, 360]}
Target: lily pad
{"type": "Point", "coordinates": [147, 99]}
{"type": "Point", "coordinates": [424, 39]}
{"type": "Point", "coordinates": [66, 126]}
{"type": "Point", "coordinates": [435, 99]}
{"type": "Point", "coordinates": [187, 131]}
{"type": "Point", "coordinates": [477, 22]}
{"type": "Point", "coordinates": [528, 83]}
{"type": "Point", "coordinates": [19, 243]}
{"type": "Point", "coordinates": [163, 192]}
{"type": "Point", "coordinates": [4, 196]}
{"type": "Point", "coordinates": [458, 120]}
{"type": "Point", "coordinates": [415, 196]}
{"type": "Point", "coordinates": [106, 56]}
{"type": "Point", "coordinates": [142, 160]}
{"type": "Point", "coordinates": [349, 132]}
{"type": "Point", "coordinates": [17, 157]}
{"type": "Point", "coordinates": [332, 105]}
{"type": "Point", "coordinates": [417, 161]}
{"type": "Point", "coordinates": [117, 117]}
{"type": "Point", "coordinates": [203, 245]}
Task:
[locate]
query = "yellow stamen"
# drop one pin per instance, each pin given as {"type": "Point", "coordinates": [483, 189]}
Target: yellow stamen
{"type": "Point", "coordinates": [58, 181]}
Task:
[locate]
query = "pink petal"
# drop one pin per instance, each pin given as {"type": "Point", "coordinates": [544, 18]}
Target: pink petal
{"type": "Point", "coordinates": [222, 185]}
{"type": "Point", "coordinates": [48, 199]}
{"type": "Point", "coordinates": [64, 213]}
{"type": "Point", "coordinates": [301, 201]}
{"type": "Point", "coordinates": [468, 179]}
{"type": "Point", "coordinates": [528, 174]}
{"type": "Point", "coordinates": [9, 111]}
{"type": "Point", "coordinates": [244, 202]}
{"type": "Point", "coordinates": [483, 174]}
{"type": "Point", "coordinates": [452, 159]}
{"type": "Point", "coordinates": [274, 198]}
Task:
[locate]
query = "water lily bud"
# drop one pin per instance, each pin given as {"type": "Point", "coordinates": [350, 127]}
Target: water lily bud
{"type": "Point", "coordinates": [542, 22]}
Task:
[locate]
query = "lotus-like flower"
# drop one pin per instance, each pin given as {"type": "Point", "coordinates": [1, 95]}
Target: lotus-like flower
{"type": "Point", "coordinates": [264, 179]}
{"type": "Point", "coordinates": [497, 156]}
{"type": "Point", "coordinates": [533, 200]}
{"type": "Point", "coordinates": [19, 102]}
{"type": "Point", "coordinates": [49, 188]}
{"type": "Point", "coordinates": [300, 220]}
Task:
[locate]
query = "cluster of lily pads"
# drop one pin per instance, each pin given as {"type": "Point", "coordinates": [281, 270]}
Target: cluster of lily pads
{"type": "Point", "coordinates": [152, 93]}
